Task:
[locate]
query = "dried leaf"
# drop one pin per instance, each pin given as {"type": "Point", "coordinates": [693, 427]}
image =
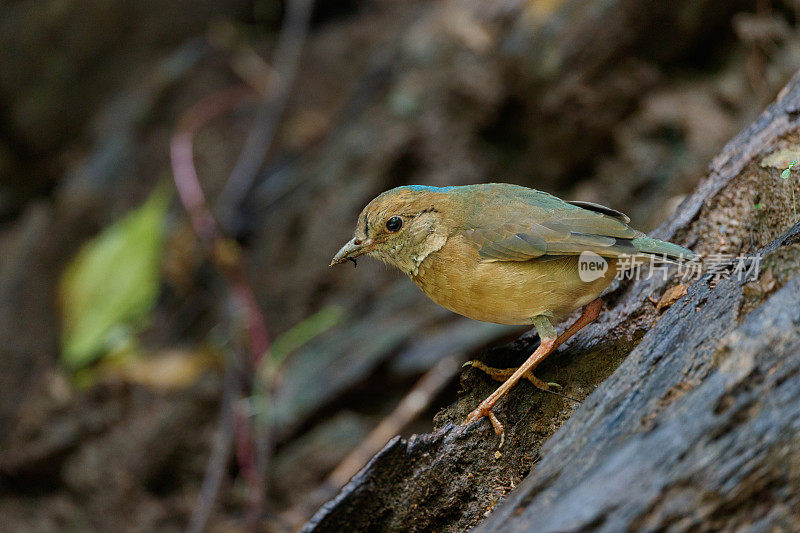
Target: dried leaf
{"type": "Point", "coordinates": [671, 295]}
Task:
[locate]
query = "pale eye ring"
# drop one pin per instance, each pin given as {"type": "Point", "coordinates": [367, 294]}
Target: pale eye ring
{"type": "Point", "coordinates": [394, 224]}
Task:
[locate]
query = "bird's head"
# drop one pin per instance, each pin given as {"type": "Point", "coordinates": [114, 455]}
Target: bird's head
{"type": "Point", "coordinates": [400, 227]}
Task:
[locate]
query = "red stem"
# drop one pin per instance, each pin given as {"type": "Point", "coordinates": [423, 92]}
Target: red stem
{"type": "Point", "coordinates": [228, 260]}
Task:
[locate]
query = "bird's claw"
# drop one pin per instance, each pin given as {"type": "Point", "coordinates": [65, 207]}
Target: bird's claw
{"type": "Point", "coordinates": [485, 411]}
{"type": "Point", "coordinates": [502, 374]}
{"type": "Point", "coordinates": [545, 385]}
{"type": "Point", "coordinates": [539, 384]}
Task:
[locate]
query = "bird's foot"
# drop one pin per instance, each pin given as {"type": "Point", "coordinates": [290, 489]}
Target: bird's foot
{"type": "Point", "coordinates": [539, 384]}
{"type": "Point", "coordinates": [502, 374]}
{"type": "Point", "coordinates": [485, 410]}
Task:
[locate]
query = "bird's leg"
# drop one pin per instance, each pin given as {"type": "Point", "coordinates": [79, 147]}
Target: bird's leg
{"type": "Point", "coordinates": [549, 342]}
{"type": "Point", "coordinates": [590, 314]}
{"type": "Point", "coordinates": [502, 374]}
{"type": "Point", "coordinates": [485, 408]}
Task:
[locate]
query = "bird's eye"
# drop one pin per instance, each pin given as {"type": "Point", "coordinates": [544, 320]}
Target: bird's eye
{"type": "Point", "coordinates": [394, 224]}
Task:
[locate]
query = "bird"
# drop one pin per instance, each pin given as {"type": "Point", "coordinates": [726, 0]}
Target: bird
{"type": "Point", "coordinates": [504, 253]}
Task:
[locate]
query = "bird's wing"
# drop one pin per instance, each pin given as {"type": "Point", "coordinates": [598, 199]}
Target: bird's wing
{"type": "Point", "coordinates": [525, 230]}
{"type": "Point", "coordinates": [602, 209]}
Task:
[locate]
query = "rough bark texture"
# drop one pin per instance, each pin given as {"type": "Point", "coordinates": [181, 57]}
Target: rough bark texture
{"type": "Point", "coordinates": [689, 416]}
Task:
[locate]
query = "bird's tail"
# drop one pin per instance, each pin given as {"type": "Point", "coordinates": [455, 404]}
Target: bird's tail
{"type": "Point", "coordinates": [648, 245]}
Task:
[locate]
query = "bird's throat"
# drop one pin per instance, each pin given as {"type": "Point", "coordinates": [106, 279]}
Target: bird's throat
{"type": "Point", "coordinates": [410, 263]}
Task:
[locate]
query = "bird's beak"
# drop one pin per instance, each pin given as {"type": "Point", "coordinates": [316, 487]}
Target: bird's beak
{"type": "Point", "coordinates": [351, 250]}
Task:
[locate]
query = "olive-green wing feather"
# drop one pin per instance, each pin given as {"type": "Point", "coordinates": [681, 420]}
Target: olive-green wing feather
{"type": "Point", "coordinates": [561, 236]}
{"type": "Point", "coordinates": [602, 209]}
{"type": "Point", "coordinates": [533, 224]}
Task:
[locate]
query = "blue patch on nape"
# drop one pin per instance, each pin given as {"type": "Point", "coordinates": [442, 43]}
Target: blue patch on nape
{"type": "Point", "coordinates": [419, 188]}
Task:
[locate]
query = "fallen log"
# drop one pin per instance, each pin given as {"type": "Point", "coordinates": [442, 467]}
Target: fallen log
{"type": "Point", "coordinates": [688, 412]}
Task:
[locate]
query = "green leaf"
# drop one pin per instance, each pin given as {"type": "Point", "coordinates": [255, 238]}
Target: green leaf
{"type": "Point", "coordinates": [301, 333]}
{"type": "Point", "coordinates": [111, 285]}
{"type": "Point", "coordinates": [788, 171]}
{"type": "Point", "coordinates": [758, 205]}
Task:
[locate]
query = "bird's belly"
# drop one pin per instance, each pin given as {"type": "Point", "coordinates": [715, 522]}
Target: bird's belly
{"type": "Point", "coordinates": [509, 292]}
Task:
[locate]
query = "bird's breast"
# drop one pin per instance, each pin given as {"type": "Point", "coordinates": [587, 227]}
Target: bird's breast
{"type": "Point", "coordinates": [505, 292]}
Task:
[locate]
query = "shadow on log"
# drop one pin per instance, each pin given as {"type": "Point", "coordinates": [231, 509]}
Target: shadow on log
{"type": "Point", "coordinates": [689, 415]}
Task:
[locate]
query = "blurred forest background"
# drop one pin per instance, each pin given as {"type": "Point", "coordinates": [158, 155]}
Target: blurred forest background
{"type": "Point", "coordinates": [121, 342]}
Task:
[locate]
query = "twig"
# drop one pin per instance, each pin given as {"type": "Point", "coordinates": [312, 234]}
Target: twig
{"type": "Point", "coordinates": [252, 448]}
{"type": "Point", "coordinates": [290, 43]}
{"type": "Point", "coordinates": [412, 404]}
{"type": "Point", "coordinates": [223, 251]}
{"type": "Point", "coordinates": [220, 451]}
{"type": "Point", "coordinates": [226, 256]}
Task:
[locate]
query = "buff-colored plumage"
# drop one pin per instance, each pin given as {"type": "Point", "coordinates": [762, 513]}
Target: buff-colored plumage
{"type": "Point", "coordinates": [497, 252]}
{"type": "Point", "coordinates": [500, 253]}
